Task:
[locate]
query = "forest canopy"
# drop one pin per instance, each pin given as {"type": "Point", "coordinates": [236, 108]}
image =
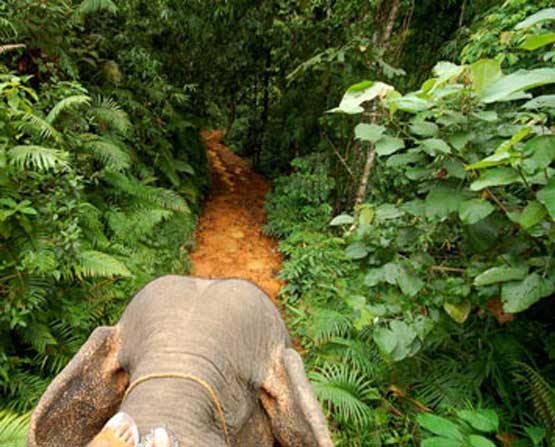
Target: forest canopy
{"type": "Point", "coordinates": [411, 149]}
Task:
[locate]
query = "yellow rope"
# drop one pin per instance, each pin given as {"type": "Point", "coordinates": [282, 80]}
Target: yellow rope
{"type": "Point", "coordinates": [205, 385]}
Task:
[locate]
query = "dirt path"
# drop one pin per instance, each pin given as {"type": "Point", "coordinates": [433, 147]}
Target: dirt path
{"type": "Point", "coordinates": [229, 235]}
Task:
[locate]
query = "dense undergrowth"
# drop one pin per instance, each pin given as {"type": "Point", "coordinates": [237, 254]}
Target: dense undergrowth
{"type": "Point", "coordinates": [427, 312]}
{"type": "Point", "coordinates": [417, 229]}
{"type": "Point", "coordinates": [101, 171]}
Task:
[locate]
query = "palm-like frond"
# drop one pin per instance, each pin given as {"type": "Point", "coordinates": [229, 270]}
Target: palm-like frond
{"type": "Point", "coordinates": [110, 153]}
{"type": "Point", "coordinates": [162, 197]}
{"type": "Point", "coordinates": [107, 112]}
{"type": "Point", "coordinates": [96, 264]}
{"type": "Point", "coordinates": [38, 127]}
{"type": "Point", "coordinates": [37, 157]}
{"type": "Point", "coordinates": [13, 428]}
{"type": "Point", "coordinates": [328, 323]}
{"type": "Point", "coordinates": [7, 28]}
{"type": "Point", "coordinates": [94, 6]}
{"type": "Point", "coordinates": [69, 103]}
{"type": "Point", "coordinates": [345, 391]}
{"type": "Point", "coordinates": [542, 396]}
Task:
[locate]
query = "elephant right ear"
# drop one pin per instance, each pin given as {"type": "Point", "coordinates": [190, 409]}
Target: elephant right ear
{"type": "Point", "coordinates": [80, 400]}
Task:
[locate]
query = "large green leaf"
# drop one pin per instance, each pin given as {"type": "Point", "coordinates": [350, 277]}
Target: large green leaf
{"type": "Point", "coordinates": [388, 145]}
{"type": "Point", "coordinates": [500, 274]}
{"type": "Point", "coordinates": [360, 93]}
{"type": "Point", "coordinates": [495, 177]}
{"type": "Point", "coordinates": [484, 72]}
{"type": "Point", "coordinates": [480, 441]}
{"type": "Point", "coordinates": [442, 201]}
{"type": "Point", "coordinates": [519, 296]}
{"type": "Point", "coordinates": [357, 250]}
{"type": "Point", "coordinates": [498, 159]}
{"type": "Point", "coordinates": [504, 87]}
{"type": "Point", "coordinates": [472, 211]}
{"type": "Point", "coordinates": [532, 214]}
{"type": "Point", "coordinates": [537, 41]}
{"type": "Point", "coordinates": [541, 102]}
{"type": "Point", "coordinates": [369, 132]}
{"type": "Point", "coordinates": [398, 341]}
{"type": "Point", "coordinates": [438, 441]}
{"type": "Point", "coordinates": [458, 312]}
{"type": "Point", "coordinates": [540, 152]}
{"type": "Point", "coordinates": [435, 145]}
{"type": "Point", "coordinates": [540, 16]}
{"type": "Point", "coordinates": [547, 197]}
{"type": "Point", "coordinates": [342, 219]}
{"type": "Point", "coordinates": [439, 426]}
{"type": "Point", "coordinates": [483, 420]}
{"type": "Point", "coordinates": [424, 128]}
{"type": "Point", "coordinates": [37, 157]}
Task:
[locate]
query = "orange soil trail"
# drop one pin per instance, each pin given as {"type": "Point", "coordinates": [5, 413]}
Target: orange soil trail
{"type": "Point", "coordinates": [230, 243]}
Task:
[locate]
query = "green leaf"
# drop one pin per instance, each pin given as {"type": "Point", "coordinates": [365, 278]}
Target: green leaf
{"type": "Point", "coordinates": [439, 426]}
{"type": "Point", "coordinates": [522, 80]}
{"type": "Point", "coordinates": [360, 93]}
{"type": "Point", "coordinates": [397, 160]}
{"type": "Point", "coordinates": [37, 157]}
{"type": "Point", "coordinates": [483, 420]}
{"type": "Point", "coordinates": [366, 216]}
{"type": "Point", "coordinates": [369, 132]}
{"type": "Point", "coordinates": [547, 197]}
{"type": "Point", "coordinates": [95, 264]}
{"type": "Point", "coordinates": [480, 441]}
{"type": "Point", "coordinates": [498, 159]}
{"type": "Point", "coordinates": [357, 250]}
{"type": "Point", "coordinates": [537, 41]}
{"type": "Point", "coordinates": [388, 211]}
{"type": "Point", "coordinates": [541, 151]}
{"type": "Point", "coordinates": [540, 16]}
{"type": "Point", "coordinates": [408, 281]}
{"type": "Point", "coordinates": [442, 201]}
{"type": "Point", "coordinates": [374, 277]}
{"type": "Point", "coordinates": [71, 102]}
{"type": "Point", "coordinates": [472, 211]}
{"type": "Point", "coordinates": [435, 145]}
{"type": "Point", "coordinates": [532, 214]}
{"type": "Point", "coordinates": [541, 102]}
{"type": "Point", "coordinates": [458, 312]}
{"type": "Point", "coordinates": [495, 177]}
{"type": "Point", "coordinates": [399, 341]}
{"type": "Point", "coordinates": [388, 145]}
{"type": "Point", "coordinates": [438, 441]}
{"type": "Point", "coordinates": [342, 219]}
{"type": "Point", "coordinates": [484, 72]}
{"type": "Point", "coordinates": [519, 296]}
{"type": "Point", "coordinates": [424, 128]}
{"type": "Point", "coordinates": [500, 274]}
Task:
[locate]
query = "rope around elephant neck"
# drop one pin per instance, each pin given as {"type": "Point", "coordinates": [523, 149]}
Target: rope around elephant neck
{"type": "Point", "coordinates": [177, 375]}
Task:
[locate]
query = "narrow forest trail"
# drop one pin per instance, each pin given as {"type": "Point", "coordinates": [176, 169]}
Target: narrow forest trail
{"type": "Point", "coordinates": [230, 243]}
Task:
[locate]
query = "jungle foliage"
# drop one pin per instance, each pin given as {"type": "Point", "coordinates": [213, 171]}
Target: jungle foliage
{"type": "Point", "coordinates": [417, 228]}
{"type": "Point", "coordinates": [419, 256]}
{"type": "Point", "coordinates": [101, 171]}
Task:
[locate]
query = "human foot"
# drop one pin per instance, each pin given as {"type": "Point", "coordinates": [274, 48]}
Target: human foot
{"type": "Point", "coordinates": [120, 431]}
{"type": "Point", "coordinates": [158, 438]}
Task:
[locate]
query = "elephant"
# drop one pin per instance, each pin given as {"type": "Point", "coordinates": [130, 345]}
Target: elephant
{"type": "Point", "coordinates": [211, 360]}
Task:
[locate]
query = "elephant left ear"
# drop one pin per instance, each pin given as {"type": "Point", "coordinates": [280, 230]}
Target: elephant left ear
{"type": "Point", "coordinates": [80, 400]}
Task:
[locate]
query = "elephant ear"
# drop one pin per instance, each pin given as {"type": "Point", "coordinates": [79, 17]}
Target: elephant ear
{"type": "Point", "coordinates": [79, 401]}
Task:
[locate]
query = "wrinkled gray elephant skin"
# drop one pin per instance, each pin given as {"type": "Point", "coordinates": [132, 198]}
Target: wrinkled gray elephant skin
{"type": "Point", "coordinates": [227, 333]}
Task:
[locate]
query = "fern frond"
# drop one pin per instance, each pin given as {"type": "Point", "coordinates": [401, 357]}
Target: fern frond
{"type": "Point", "coordinates": [13, 428]}
{"type": "Point", "coordinates": [71, 102]}
{"type": "Point", "coordinates": [37, 157]}
{"type": "Point", "coordinates": [38, 127]}
{"type": "Point", "coordinates": [138, 223]}
{"type": "Point", "coordinates": [94, 6]}
{"type": "Point", "coordinates": [110, 115]}
{"type": "Point", "coordinates": [39, 336]}
{"type": "Point", "coordinates": [7, 28]}
{"type": "Point", "coordinates": [542, 396]}
{"type": "Point", "coordinates": [328, 323]}
{"type": "Point", "coordinates": [345, 391]}
{"type": "Point", "coordinates": [110, 153]}
{"type": "Point", "coordinates": [162, 197]}
{"type": "Point", "coordinates": [96, 264]}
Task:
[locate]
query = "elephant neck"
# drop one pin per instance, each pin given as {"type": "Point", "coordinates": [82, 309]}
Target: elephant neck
{"type": "Point", "coordinates": [182, 406]}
